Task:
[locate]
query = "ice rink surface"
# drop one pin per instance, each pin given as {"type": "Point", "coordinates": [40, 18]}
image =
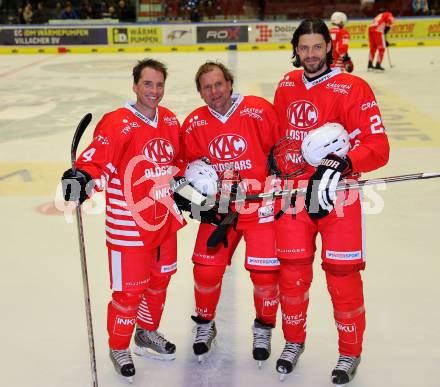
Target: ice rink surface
{"type": "Point", "coordinates": [42, 325]}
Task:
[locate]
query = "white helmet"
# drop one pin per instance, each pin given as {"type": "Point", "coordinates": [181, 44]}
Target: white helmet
{"type": "Point", "coordinates": [338, 18]}
{"type": "Point", "coordinates": [202, 177]}
{"type": "Point", "coordinates": [329, 138]}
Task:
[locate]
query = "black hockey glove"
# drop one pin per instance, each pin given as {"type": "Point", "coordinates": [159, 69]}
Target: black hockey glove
{"type": "Point", "coordinates": [184, 194]}
{"type": "Point", "coordinates": [77, 185]}
{"type": "Point", "coordinates": [346, 58]}
{"type": "Point", "coordinates": [321, 190]}
{"type": "Point", "coordinates": [386, 29]}
{"type": "Point", "coordinates": [210, 216]}
{"type": "Point", "coordinates": [202, 214]}
{"type": "Point", "coordinates": [349, 66]}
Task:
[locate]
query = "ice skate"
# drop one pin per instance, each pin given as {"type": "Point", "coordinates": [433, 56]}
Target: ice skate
{"type": "Point", "coordinates": [345, 369]}
{"type": "Point", "coordinates": [205, 335]}
{"type": "Point", "coordinates": [152, 344]}
{"type": "Point", "coordinates": [370, 65]}
{"type": "Point", "coordinates": [379, 67]}
{"type": "Point", "coordinates": [123, 363]}
{"type": "Point", "coordinates": [262, 334]}
{"type": "Point", "coordinates": [288, 359]}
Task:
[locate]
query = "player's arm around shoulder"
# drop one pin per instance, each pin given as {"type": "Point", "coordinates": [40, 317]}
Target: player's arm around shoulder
{"type": "Point", "coordinates": [369, 142]}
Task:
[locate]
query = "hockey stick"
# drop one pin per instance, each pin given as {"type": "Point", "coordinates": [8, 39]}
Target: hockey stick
{"type": "Point", "coordinates": [201, 200]}
{"type": "Point", "coordinates": [341, 187]}
{"type": "Point", "coordinates": [183, 188]}
{"type": "Point", "coordinates": [75, 142]}
{"type": "Point", "coordinates": [220, 232]}
{"type": "Point", "coordinates": [389, 57]}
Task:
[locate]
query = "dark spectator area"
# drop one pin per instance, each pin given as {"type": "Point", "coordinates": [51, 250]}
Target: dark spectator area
{"type": "Point", "coordinates": [40, 12]}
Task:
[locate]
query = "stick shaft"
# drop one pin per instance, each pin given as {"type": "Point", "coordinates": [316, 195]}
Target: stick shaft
{"type": "Point", "coordinates": [342, 186]}
{"type": "Point", "coordinates": [389, 57]}
{"type": "Point", "coordinates": [86, 292]}
{"type": "Point", "coordinates": [82, 249]}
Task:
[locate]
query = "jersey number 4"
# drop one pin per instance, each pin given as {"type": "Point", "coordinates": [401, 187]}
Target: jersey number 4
{"type": "Point", "coordinates": [87, 156]}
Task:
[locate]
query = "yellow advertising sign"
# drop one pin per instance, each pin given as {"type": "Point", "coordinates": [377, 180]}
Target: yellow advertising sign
{"type": "Point", "coordinates": [403, 29]}
{"type": "Point", "coordinates": [143, 35]}
{"type": "Point", "coordinates": [358, 30]}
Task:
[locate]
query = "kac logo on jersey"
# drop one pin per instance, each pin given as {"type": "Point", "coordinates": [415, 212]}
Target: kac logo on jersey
{"type": "Point", "coordinates": [227, 147]}
{"type": "Point", "coordinates": [302, 114]}
{"type": "Point", "coordinates": [159, 150]}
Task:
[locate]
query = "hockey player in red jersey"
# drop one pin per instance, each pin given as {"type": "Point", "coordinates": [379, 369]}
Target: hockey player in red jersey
{"type": "Point", "coordinates": [377, 38]}
{"type": "Point", "coordinates": [340, 40]}
{"type": "Point", "coordinates": [132, 156]}
{"type": "Point", "coordinates": [235, 133]}
{"type": "Point", "coordinates": [334, 119]}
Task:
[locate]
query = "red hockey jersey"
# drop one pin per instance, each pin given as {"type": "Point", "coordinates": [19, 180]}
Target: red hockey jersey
{"type": "Point", "coordinates": [132, 158]}
{"type": "Point", "coordinates": [334, 97]}
{"type": "Point", "coordinates": [340, 41]}
{"type": "Point", "coordinates": [239, 140]}
{"type": "Point", "coordinates": [381, 21]}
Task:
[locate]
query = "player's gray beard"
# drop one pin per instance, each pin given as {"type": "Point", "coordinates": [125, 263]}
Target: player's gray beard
{"type": "Point", "coordinates": [315, 69]}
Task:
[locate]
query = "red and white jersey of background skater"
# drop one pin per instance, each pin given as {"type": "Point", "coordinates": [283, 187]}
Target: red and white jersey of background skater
{"type": "Point", "coordinates": [381, 21]}
{"type": "Point", "coordinates": [132, 157]}
{"type": "Point", "coordinates": [340, 42]}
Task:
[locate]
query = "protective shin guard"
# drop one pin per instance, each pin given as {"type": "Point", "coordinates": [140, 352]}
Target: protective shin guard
{"type": "Point", "coordinates": [372, 54]}
{"type": "Point", "coordinates": [349, 311]}
{"type": "Point", "coordinates": [153, 302]}
{"type": "Point", "coordinates": [381, 54]}
{"type": "Point", "coordinates": [207, 288]}
{"type": "Point", "coordinates": [121, 318]}
{"type": "Point", "coordinates": [266, 295]}
{"type": "Point", "coordinates": [295, 281]}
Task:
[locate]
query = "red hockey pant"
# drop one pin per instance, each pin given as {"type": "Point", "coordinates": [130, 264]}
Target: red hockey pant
{"type": "Point", "coordinates": [376, 42]}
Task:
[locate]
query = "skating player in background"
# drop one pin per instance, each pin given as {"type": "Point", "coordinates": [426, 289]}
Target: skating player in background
{"type": "Point", "coordinates": [340, 41]}
{"type": "Point", "coordinates": [377, 32]}
{"type": "Point", "coordinates": [131, 157]}
{"type": "Point", "coordinates": [334, 119]}
{"type": "Point", "coordinates": [235, 133]}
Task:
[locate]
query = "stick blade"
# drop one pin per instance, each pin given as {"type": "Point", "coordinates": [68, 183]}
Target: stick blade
{"type": "Point", "coordinates": [85, 121]}
{"type": "Point", "coordinates": [218, 235]}
{"type": "Point", "coordinates": [187, 191]}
